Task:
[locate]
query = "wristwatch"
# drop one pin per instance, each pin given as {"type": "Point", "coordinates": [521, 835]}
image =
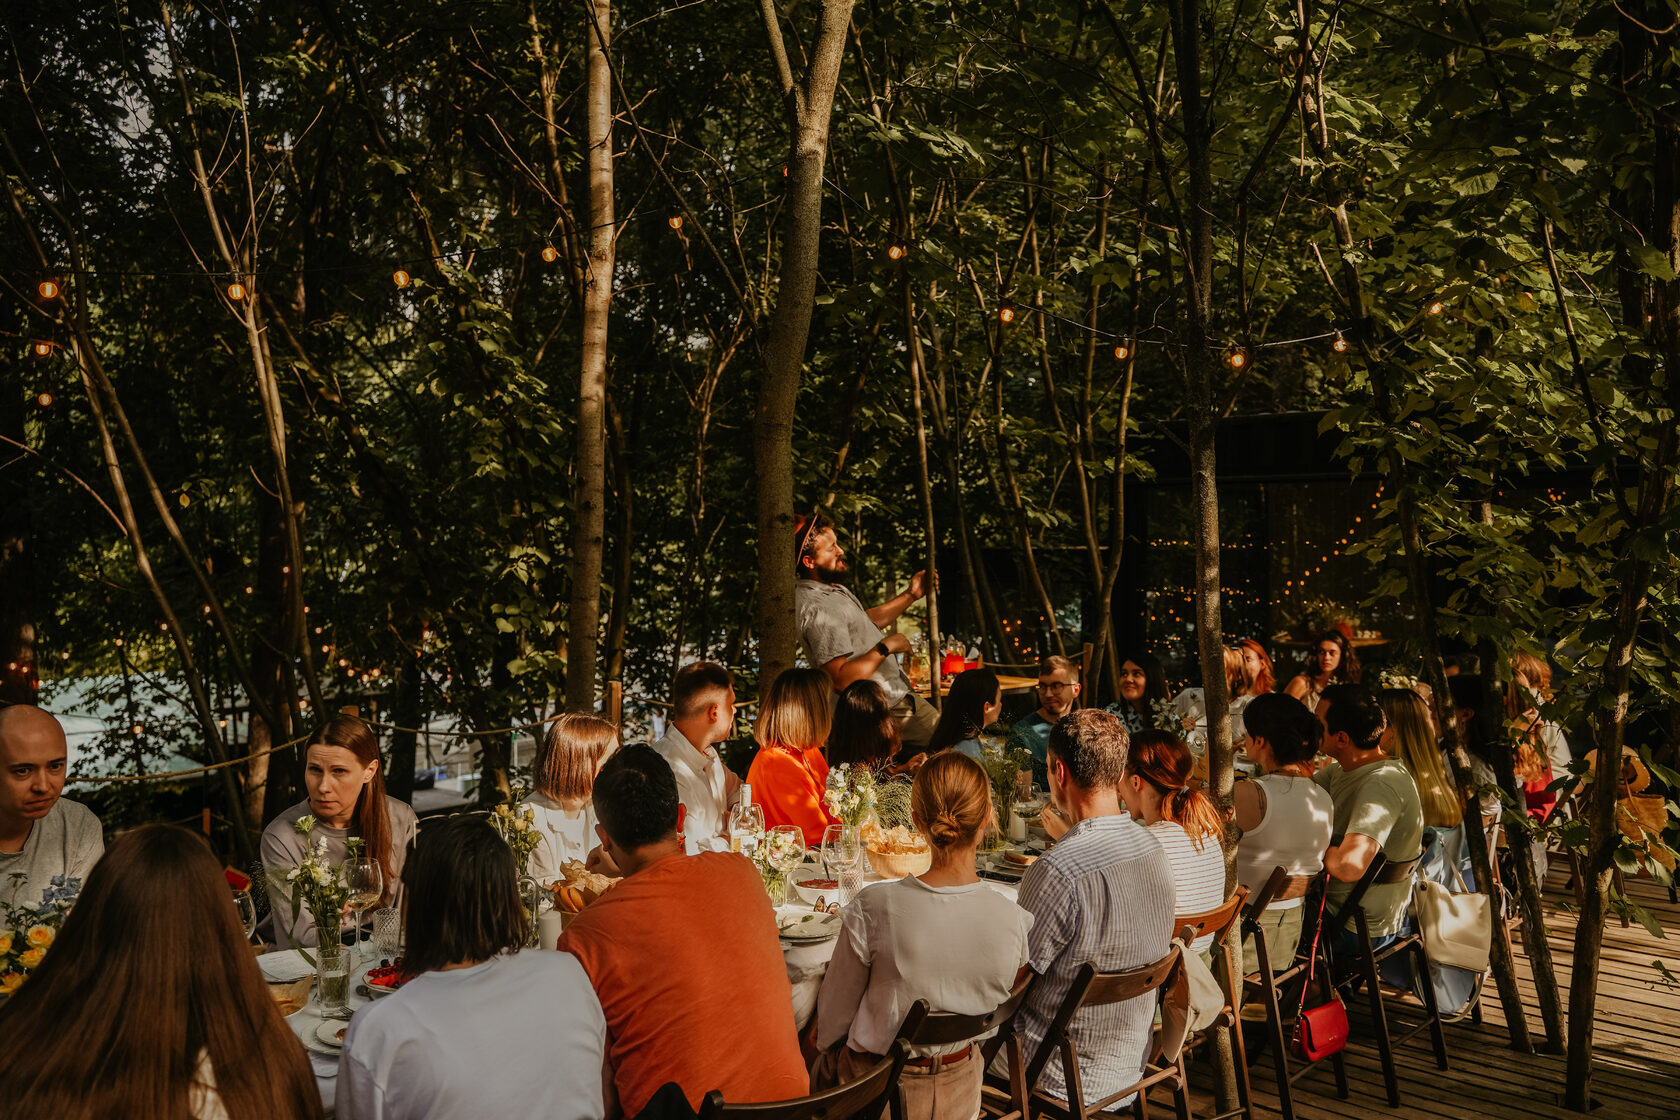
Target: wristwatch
{"type": "Point", "coordinates": [881, 648]}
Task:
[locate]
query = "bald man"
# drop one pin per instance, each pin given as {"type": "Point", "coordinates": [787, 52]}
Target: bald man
{"type": "Point", "coordinates": [41, 833]}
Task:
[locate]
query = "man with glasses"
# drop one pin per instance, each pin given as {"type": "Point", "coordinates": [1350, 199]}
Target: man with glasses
{"type": "Point", "coordinates": [1058, 688]}
{"type": "Point", "coordinates": [843, 638]}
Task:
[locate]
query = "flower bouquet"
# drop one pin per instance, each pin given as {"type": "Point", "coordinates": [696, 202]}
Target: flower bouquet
{"type": "Point", "coordinates": [850, 794]}
{"type": "Point", "coordinates": [1003, 772]}
{"type": "Point", "coordinates": [518, 826]}
{"type": "Point", "coordinates": [28, 931]}
{"type": "Point", "coordinates": [318, 883]}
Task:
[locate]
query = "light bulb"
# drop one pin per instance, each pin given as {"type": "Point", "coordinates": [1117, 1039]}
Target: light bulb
{"type": "Point", "coordinates": [895, 252]}
{"type": "Point", "coordinates": [550, 254]}
{"type": "Point", "coordinates": [42, 349]}
{"type": "Point", "coordinates": [1122, 352]}
{"type": "Point", "coordinates": [1238, 359]}
{"type": "Point", "coordinates": [236, 291]}
{"type": "Point", "coordinates": [1006, 312]}
{"type": "Point", "coordinates": [400, 278]}
{"type": "Point", "coordinates": [1436, 308]}
{"type": "Point", "coordinates": [44, 400]}
{"type": "Point", "coordinates": [1340, 345]}
{"type": "Point", "coordinates": [675, 221]}
{"type": "Point", "coordinates": [47, 288]}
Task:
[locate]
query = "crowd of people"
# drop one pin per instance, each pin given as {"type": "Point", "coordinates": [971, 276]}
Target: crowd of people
{"type": "Point", "coordinates": [673, 983]}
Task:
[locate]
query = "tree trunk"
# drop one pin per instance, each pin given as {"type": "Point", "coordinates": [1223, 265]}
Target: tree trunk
{"type": "Point", "coordinates": [19, 674]}
{"type": "Point", "coordinates": [924, 490]}
{"type": "Point", "coordinates": [809, 104]}
{"type": "Point", "coordinates": [583, 620]}
{"type": "Point", "coordinates": [399, 769]}
{"type": "Point", "coordinates": [618, 621]}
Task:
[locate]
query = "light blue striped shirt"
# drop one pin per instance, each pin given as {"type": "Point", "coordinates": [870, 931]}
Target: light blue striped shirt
{"type": "Point", "coordinates": [1104, 895]}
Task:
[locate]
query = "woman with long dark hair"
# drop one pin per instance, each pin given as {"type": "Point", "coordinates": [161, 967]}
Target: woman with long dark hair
{"type": "Point", "coordinates": [864, 731]}
{"type": "Point", "coordinates": [482, 1028]}
{"type": "Point", "coordinates": [346, 784]}
{"type": "Point", "coordinates": [1142, 683]}
{"type": "Point", "coordinates": [1156, 789]}
{"type": "Point", "coordinates": [149, 1005]}
{"type": "Point", "coordinates": [1331, 660]}
{"type": "Point", "coordinates": [974, 702]}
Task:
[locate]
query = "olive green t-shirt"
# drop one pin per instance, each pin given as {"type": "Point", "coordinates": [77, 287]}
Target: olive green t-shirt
{"type": "Point", "coordinates": [1379, 800]}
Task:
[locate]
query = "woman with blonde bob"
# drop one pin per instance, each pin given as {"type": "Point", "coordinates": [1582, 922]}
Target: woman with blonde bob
{"type": "Point", "coordinates": [149, 1006]}
{"type": "Point", "coordinates": [570, 756]}
{"type": "Point", "coordinates": [789, 773]}
{"type": "Point", "coordinates": [943, 936]}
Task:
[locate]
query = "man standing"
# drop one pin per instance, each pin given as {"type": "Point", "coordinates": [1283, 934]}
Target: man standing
{"type": "Point", "coordinates": [843, 639]}
{"type": "Point", "coordinates": [1058, 688]}
{"type": "Point", "coordinates": [702, 716]}
{"type": "Point", "coordinates": [1104, 895]}
{"type": "Point", "coordinates": [1377, 808]}
{"type": "Point", "coordinates": [683, 955]}
{"type": "Point", "coordinates": [41, 833]}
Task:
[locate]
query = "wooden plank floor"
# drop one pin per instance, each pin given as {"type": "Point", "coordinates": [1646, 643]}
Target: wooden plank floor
{"type": "Point", "coordinates": [1637, 1042]}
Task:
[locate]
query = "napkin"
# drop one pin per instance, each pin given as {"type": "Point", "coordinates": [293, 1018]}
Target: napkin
{"type": "Point", "coordinates": [284, 967]}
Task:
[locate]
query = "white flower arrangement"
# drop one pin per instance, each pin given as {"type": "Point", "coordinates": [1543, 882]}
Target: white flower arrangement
{"type": "Point", "coordinates": [850, 794]}
{"type": "Point", "coordinates": [318, 884]}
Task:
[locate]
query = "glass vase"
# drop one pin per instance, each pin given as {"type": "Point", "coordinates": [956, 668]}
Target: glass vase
{"type": "Point", "coordinates": [332, 975]}
{"type": "Point", "coordinates": [531, 898]}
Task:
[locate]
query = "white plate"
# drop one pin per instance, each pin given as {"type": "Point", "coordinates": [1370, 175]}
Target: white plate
{"type": "Point", "coordinates": [808, 927]}
{"type": "Point", "coordinates": [327, 1033]}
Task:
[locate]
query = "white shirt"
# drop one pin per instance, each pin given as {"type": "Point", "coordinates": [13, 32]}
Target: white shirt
{"type": "Point", "coordinates": [67, 841]}
{"type": "Point", "coordinates": [959, 948]}
{"type": "Point", "coordinates": [517, 1036]}
{"type": "Point", "coordinates": [1198, 876]}
{"type": "Point", "coordinates": [1293, 833]}
{"type": "Point", "coordinates": [562, 834]}
{"type": "Point", "coordinates": [705, 788]}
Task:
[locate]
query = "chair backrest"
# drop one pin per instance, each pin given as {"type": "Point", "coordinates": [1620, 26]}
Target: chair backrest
{"type": "Point", "coordinates": [1377, 872]}
{"type": "Point", "coordinates": [1218, 921]}
{"type": "Point", "coordinates": [1281, 886]}
{"type": "Point", "coordinates": [850, 1099]}
{"type": "Point", "coordinates": [1091, 988]}
{"type": "Point", "coordinates": [923, 1027]}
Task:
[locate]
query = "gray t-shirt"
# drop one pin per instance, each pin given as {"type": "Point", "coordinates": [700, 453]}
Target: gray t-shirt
{"type": "Point", "coordinates": [283, 849]}
{"type": "Point", "coordinates": [1379, 800]}
{"type": "Point", "coordinates": [67, 841]}
{"type": "Point", "coordinates": [832, 623]}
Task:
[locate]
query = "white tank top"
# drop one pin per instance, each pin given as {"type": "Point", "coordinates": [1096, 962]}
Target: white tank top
{"type": "Point", "coordinates": [1293, 833]}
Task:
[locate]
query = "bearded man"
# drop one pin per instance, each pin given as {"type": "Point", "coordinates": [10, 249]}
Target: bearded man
{"type": "Point", "coordinates": [844, 639]}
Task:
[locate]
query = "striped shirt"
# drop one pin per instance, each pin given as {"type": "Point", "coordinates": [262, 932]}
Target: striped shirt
{"type": "Point", "coordinates": [1199, 877]}
{"type": "Point", "coordinates": [1104, 896]}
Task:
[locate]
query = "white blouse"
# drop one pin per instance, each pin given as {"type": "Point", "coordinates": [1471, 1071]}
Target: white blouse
{"type": "Point", "coordinates": [562, 834]}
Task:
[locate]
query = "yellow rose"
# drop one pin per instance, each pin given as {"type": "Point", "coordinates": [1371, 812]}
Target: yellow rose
{"type": "Point", "coordinates": [40, 936]}
{"type": "Point", "coordinates": [31, 958]}
{"type": "Point", "coordinates": [5, 942]}
{"type": "Point", "coordinates": [11, 982]}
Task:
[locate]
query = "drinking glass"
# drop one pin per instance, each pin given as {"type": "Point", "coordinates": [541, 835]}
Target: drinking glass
{"type": "Point", "coordinates": [387, 933]}
{"type": "Point", "coordinates": [785, 849]}
{"type": "Point", "coordinates": [247, 911]}
{"type": "Point", "coordinates": [366, 880]}
{"type": "Point", "coordinates": [844, 857]}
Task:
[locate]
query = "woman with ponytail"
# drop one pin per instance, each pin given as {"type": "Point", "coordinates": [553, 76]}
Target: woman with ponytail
{"type": "Point", "coordinates": [943, 936]}
{"type": "Point", "coordinates": [346, 783]}
{"type": "Point", "coordinates": [1155, 788]}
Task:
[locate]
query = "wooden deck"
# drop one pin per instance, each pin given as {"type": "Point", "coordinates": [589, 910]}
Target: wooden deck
{"type": "Point", "coordinates": [1637, 1042]}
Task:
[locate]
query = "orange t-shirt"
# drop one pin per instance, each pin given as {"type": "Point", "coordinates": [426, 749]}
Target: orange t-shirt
{"type": "Point", "coordinates": [685, 959]}
{"type": "Point", "coordinates": [786, 784]}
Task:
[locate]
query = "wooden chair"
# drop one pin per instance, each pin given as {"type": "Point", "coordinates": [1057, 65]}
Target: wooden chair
{"type": "Point", "coordinates": [1269, 983]}
{"type": "Point", "coordinates": [1221, 921]}
{"type": "Point", "coordinates": [1363, 968]}
{"type": "Point", "coordinates": [863, 1097]}
{"type": "Point", "coordinates": [922, 1027]}
{"type": "Point", "coordinates": [1095, 989]}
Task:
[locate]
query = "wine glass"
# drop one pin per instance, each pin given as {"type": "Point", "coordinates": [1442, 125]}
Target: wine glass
{"type": "Point", "coordinates": [830, 840]}
{"type": "Point", "coordinates": [246, 908]}
{"type": "Point", "coordinates": [366, 881]}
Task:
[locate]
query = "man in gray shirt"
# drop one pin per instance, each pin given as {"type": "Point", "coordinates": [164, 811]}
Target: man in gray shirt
{"type": "Point", "coordinates": [843, 638]}
{"type": "Point", "coordinates": [41, 833]}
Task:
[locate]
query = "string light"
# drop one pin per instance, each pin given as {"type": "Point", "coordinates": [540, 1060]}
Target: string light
{"type": "Point", "coordinates": [1340, 345]}
{"type": "Point", "coordinates": [675, 221]}
{"type": "Point", "coordinates": [236, 290]}
{"type": "Point", "coordinates": [400, 278]}
{"type": "Point", "coordinates": [137, 729]}
{"type": "Point", "coordinates": [44, 400]}
{"type": "Point", "coordinates": [895, 252]}
{"type": "Point", "coordinates": [1122, 352]}
{"type": "Point", "coordinates": [550, 254]}
{"type": "Point", "coordinates": [48, 289]}
{"type": "Point", "coordinates": [1006, 312]}
{"type": "Point", "coordinates": [1436, 308]}
{"type": "Point", "coordinates": [1238, 358]}
{"type": "Point", "coordinates": [42, 349]}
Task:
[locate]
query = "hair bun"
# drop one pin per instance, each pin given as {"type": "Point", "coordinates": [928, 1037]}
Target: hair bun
{"type": "Point", "coordinates": [945, 830]}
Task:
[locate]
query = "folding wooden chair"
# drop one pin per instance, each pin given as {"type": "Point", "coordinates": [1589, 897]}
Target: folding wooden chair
{"type": "Point", "coordinates": [922, 1027]}
{"type": "Point", "coordinates": [863, 1097]}
{"type": "Point", "coordinates": [1364, 967]}
{"type": "Point", "coordinates": [1269, 983]}
{"type": "Point", "coordinates": [1095, 989]}
{"type": "Point", "coordinates": [1221, 922]}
